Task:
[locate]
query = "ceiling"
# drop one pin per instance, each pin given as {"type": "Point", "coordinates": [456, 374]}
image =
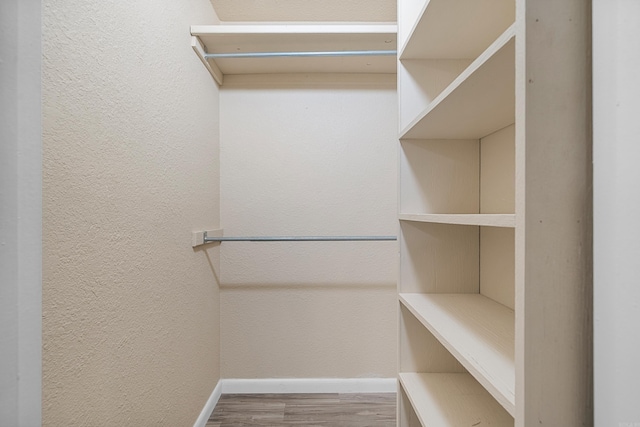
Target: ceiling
{"type": "Point", "coordinates": [306, 10]}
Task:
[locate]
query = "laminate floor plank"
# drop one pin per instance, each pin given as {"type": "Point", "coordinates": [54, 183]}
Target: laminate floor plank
{"type": "Point", "coordinates": [320, 410]}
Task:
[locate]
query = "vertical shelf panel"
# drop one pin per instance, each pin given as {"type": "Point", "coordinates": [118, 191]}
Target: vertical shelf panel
{"type": "Point", "coordinates": [497, 172]}
{"type": "Point", "coordinates": [439, 176]}
{"type": "Point", "coordinates": [420, 351]}
{"type": "Point", "coordinates": [439, 258]}
{"type": "Point", "coordinates": [497, 264]}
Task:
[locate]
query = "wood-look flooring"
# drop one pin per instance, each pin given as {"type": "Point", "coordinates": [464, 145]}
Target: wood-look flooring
{"type": "Point", "coordinates": [323, 410]}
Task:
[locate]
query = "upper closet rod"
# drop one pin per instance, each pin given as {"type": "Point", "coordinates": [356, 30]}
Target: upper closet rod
{"type": "Point", "coordinates": [300, 54]}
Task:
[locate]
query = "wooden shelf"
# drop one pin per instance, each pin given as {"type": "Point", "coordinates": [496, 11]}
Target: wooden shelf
{"type": "Point", "coordinates": [448, 29]}
{"type": "Point", "coordinates": [477, 103]}
{"type": "Point", "coordinates": [452, 400]}
{"type": "Point", "coordinates": [478, 331]}
{"type": "Point", "coordinates": [485, 220]}
{"type": "Point", "coordinates": [239, 38]}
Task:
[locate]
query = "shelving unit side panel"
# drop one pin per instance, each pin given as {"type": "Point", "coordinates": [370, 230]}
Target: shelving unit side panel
{"type": "Point", "coordinates": [452, 400]}
{"type": "Point", "coordinates": [421, 81]}
{"type": "Point", "coordinates": [497, 264]}
{"type": "Point", "coordinates": [497, 172]}
{"type": "Point", "coordinates": [420, 351]}
{"type": "Point", "coordinates": [439, 176]}
{"type": "Point", "coordinates": [439, 258]}
{"type": "Point", "coordinates": [554, 221]}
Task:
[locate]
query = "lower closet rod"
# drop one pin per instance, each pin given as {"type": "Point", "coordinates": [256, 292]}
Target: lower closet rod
{"type": "Point", "coordinates": [300, 54]}
{"type": "Point", "coordinates": [299, 239]}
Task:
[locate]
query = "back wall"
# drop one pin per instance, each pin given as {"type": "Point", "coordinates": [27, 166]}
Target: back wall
{"type": "Point", "coordinates": [308, 155]}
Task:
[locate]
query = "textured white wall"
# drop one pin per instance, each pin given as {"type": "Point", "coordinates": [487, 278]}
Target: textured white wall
{"type": "Point", "coordinates": [308, 155]}
{"type": "Point", "coordinates": [20, 214]}
{"type": "Point", "coordinates": [616, 96]}
{"type": "Point", "coordinates": [131, 167]}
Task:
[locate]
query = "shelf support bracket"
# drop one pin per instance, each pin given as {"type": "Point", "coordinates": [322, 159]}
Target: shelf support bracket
{"type": "Point", "coordinates": [211, 66]}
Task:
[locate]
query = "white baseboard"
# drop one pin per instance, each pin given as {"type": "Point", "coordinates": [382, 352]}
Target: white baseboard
{"type": "Point", "coordinates": [309, 385]}
{"type": "Point", "coordinates": [209, 406]}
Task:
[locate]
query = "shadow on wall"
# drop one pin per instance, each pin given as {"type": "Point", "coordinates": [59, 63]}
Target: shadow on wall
{"type": "Point", "coordinates": [211, 252]}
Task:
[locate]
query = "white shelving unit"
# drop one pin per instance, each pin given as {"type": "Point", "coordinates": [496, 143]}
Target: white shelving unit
{"type": "Point", "coordinates": [491, 104]}
{"type": "Point", "coordinates": [287, 38]}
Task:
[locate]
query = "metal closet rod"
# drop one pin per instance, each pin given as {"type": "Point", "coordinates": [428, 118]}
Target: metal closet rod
{"type": "Point", "coordinates": [299, 239]}
{"type": "Point", "coordinates": [300, 54]}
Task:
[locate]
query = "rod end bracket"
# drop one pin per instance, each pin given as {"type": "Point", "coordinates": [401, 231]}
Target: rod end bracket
{"type": "Point", "coordinates": [199, 238]}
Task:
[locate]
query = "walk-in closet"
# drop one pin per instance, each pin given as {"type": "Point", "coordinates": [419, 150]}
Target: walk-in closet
{"type": "Point", "coordinates": [301, 212]}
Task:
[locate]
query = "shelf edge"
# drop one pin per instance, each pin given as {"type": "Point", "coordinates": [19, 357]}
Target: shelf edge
{"type": "Point", "coordinates": [482, 220]}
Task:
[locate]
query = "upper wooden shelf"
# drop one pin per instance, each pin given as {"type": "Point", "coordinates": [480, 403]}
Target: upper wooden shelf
{"type": "Point", "coordinates": [480, 101]}
{"type": "Point", "coordinates": [446, 29]}
{"type": "Point", "coordinates": [281, 37]}
{"type": "Point", "coordinates": [478, 331]}
{"type": "Point", "coordinates": [452, 400]}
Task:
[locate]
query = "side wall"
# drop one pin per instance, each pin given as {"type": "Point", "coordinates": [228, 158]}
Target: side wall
{"type": "Point", "coordinates": [616, 95]}
{"type": "Point", "coordinates": [308, 155]}
{"type": "Point", "coordinates": [20, 214]}
{"type": "Point", "coordinates": [130, 168]}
